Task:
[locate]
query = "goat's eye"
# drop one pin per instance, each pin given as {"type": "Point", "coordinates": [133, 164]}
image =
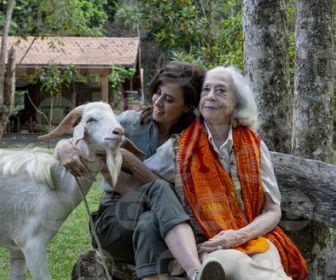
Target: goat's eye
{"type": "Point", "coordinates": [91, 120]}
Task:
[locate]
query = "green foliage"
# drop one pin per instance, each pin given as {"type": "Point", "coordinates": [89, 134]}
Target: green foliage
{"type": "Point", "coordinates": [189, 30]}
{"type": "Point", "coordinates": [53, 78]}
{"type": "Point", "coordinates": [111, 8]}
{"type": "Point", "coordinates": [291, 36]}
{"type": "Point", "coordinates": [57, 17]}
{"type": "Point", "coordinates": [51, 81]}
{"type": "Point", "coordinates": [119, 75]}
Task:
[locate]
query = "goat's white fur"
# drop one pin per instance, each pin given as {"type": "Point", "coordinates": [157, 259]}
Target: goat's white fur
{"type": "Point", "coordinates": [37, 194]}
{"type": "Point", "coordinates": [34, 163]}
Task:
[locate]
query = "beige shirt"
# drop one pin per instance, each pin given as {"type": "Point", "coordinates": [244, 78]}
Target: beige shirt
{"type": "Point", "coordinates": [162, 163]}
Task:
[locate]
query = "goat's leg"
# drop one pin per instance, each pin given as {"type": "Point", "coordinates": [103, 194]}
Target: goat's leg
{"type": "Point", "coordinates": [36, 259]}
{"type": "Point", "coordinates": [17, 265]}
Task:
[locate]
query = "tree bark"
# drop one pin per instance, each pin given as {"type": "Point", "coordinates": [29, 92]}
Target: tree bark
{"type": "Point", "coordinates": [4, 109]}
{"type": "Point", "coordinates": [308, 189]}
{"type": "Point", "coordinates": [4, 43]}
{"type": "Point", "coordinates": [331, 269]}
{"type": "Point", "coordinates": [9, 92]}
{"type": "Point", "coordinates": [313, 117]}
{"type": "Point", "coordinates": [266, 65]}
{"type": "Point", "coordinates": [10, 80]}
{"type": "Point", "coordinates": [313, 122]}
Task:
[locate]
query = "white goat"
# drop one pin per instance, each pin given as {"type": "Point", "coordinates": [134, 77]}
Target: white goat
{"type": "Point", "coordinates": [37, 194]}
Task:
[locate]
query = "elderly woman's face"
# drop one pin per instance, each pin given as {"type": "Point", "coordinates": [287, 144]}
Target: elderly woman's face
{"type": "Point", "coordinates": [217, 99]}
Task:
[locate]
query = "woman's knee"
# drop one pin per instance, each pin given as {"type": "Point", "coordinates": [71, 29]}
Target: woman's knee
{"type": "Point", "coordinates": [231, 260]}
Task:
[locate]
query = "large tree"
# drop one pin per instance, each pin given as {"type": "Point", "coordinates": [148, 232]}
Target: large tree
{"type": "Point", "coordinates": [313, 109]}
{"type": "Point", "coordinates": [266, 65]}
{"type": "Point", "coordinates": [5, 96]}
{"type": "Point", "coordinates": [313, 120]}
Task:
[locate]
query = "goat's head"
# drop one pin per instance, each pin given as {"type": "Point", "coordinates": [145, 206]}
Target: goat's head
{"type": "Point", "coordinates": [98, 129]}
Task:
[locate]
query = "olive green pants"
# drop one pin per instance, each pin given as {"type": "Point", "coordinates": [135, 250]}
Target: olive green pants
{"type": "Point", "coordinates": [132, 228]}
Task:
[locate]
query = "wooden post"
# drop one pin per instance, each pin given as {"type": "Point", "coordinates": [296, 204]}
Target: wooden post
{"type": "Point", "coordinates": [123, 99]}
{"type": "Point", "coordinates": [104, 86]}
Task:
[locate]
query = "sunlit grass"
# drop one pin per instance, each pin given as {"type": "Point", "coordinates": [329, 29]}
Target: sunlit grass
{"type": "Point", "coordinates": [72, 240]}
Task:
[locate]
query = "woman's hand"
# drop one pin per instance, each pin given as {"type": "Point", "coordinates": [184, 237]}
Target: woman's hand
{"type": "Point", "coordinates": [70, 158]}
{"type": "Point", "coordinates": [261, 225]}
{"type": "Point", "coordinates": [226, 239]}
{"type": "Point", "coordinates": [135, 167]}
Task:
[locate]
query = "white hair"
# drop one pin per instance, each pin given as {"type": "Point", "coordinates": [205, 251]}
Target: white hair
{"type": "Point", "coordinates": [246, 112]}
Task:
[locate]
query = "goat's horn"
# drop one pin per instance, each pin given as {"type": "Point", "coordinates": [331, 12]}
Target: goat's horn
{"type": "Point", "coordinates": [68, 122]}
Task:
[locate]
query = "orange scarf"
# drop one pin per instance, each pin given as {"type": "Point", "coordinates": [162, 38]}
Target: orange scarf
{"type": "Point", "coordinates": [210, 194]}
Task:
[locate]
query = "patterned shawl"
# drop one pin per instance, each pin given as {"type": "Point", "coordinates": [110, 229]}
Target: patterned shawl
{"type": "Point", "coordinates": [209, 192]}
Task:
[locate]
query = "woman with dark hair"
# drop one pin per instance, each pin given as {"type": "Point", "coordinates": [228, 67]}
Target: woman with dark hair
{"type": "Point", "coordinates": [143, 222]}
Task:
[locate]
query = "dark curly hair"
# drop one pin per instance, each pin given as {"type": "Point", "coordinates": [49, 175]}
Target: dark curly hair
{"type": "Point", "coordinates": [189, 77]}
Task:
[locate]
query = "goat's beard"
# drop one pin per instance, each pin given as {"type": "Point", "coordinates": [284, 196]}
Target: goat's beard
{"type": "Point", "coordinates": [113, 161]}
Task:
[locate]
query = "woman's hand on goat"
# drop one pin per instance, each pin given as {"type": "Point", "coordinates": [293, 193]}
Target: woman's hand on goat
{"type": "Point", "coordinates": [135, 167]}
{"type": "Point", "coordinates": [70, 158]}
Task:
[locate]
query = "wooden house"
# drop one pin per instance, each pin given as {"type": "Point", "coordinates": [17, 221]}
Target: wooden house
{"type": "Point", "coordinates": [90, 56]}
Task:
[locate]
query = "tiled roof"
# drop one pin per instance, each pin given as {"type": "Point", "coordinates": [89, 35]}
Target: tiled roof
{"type": "Point", "coordinates": [86, 51]}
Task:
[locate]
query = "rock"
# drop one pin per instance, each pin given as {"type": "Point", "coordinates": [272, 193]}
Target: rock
{"type": "Point", "coordinates": [89, 267]}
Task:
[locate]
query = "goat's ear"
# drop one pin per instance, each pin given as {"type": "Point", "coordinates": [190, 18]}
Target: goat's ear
{"type": "Point", "coordinates": [78, 133]}
{"type": "Point", "coordinates": [83, 148]}
{"type": "Point", "coordinates": [131, 147]}
{"type": "Point", "coordinates": [78, 140]}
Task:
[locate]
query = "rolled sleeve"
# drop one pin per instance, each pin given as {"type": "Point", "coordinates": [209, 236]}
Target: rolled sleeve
{"type": "Point", "coordinates": [162, 162]}
{"type": "Point", "coordinates": [268, 179]}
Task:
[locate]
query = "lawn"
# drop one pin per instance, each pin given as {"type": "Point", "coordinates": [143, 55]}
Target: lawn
{"type": "Point", "coordinates": [71, 240]}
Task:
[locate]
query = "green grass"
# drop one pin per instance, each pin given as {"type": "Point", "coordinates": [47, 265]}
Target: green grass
{"type": "Point", "coordinates": [72, 240]}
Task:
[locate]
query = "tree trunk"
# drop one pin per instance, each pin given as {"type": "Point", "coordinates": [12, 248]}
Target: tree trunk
{"type": "Point", "coordinates": [9, 92]}
{"type": "Point", "coordinates": [10, 80]}
{"type": "Point", "coordinates": [308, 190]}
{"type": "Point", "coordinates": [313, 118]}
{"type": "Point", "coordinates": [313, 122]}
{"type": "Point", "coordinates": [4, 109]}
{"type": "Point", "coordinates": [266, 65]}
{"type": "Point", "coordinates": [331, 268]}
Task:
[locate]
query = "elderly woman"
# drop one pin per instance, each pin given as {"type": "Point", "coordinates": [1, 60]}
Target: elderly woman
{"type": "Point", "coordinates": [226, 182]}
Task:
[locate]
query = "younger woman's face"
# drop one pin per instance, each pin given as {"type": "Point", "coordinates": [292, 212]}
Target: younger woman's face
{"type": "Point", "coordinates": [168, 104]}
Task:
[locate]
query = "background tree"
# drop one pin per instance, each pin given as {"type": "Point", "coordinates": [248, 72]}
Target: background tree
{"type": "Point", "coordinates": [205, 32]}
{"type": "Point", "coordinates": [4, 75]}
{"type": "Point", "coordinates": [313, 110]}
{"type": "Point", "coordinates": [58, 17]}
{"type": "Point", "coordinates": [266, 64]}
{"type": "Point", "coordinates": [313, 94]}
